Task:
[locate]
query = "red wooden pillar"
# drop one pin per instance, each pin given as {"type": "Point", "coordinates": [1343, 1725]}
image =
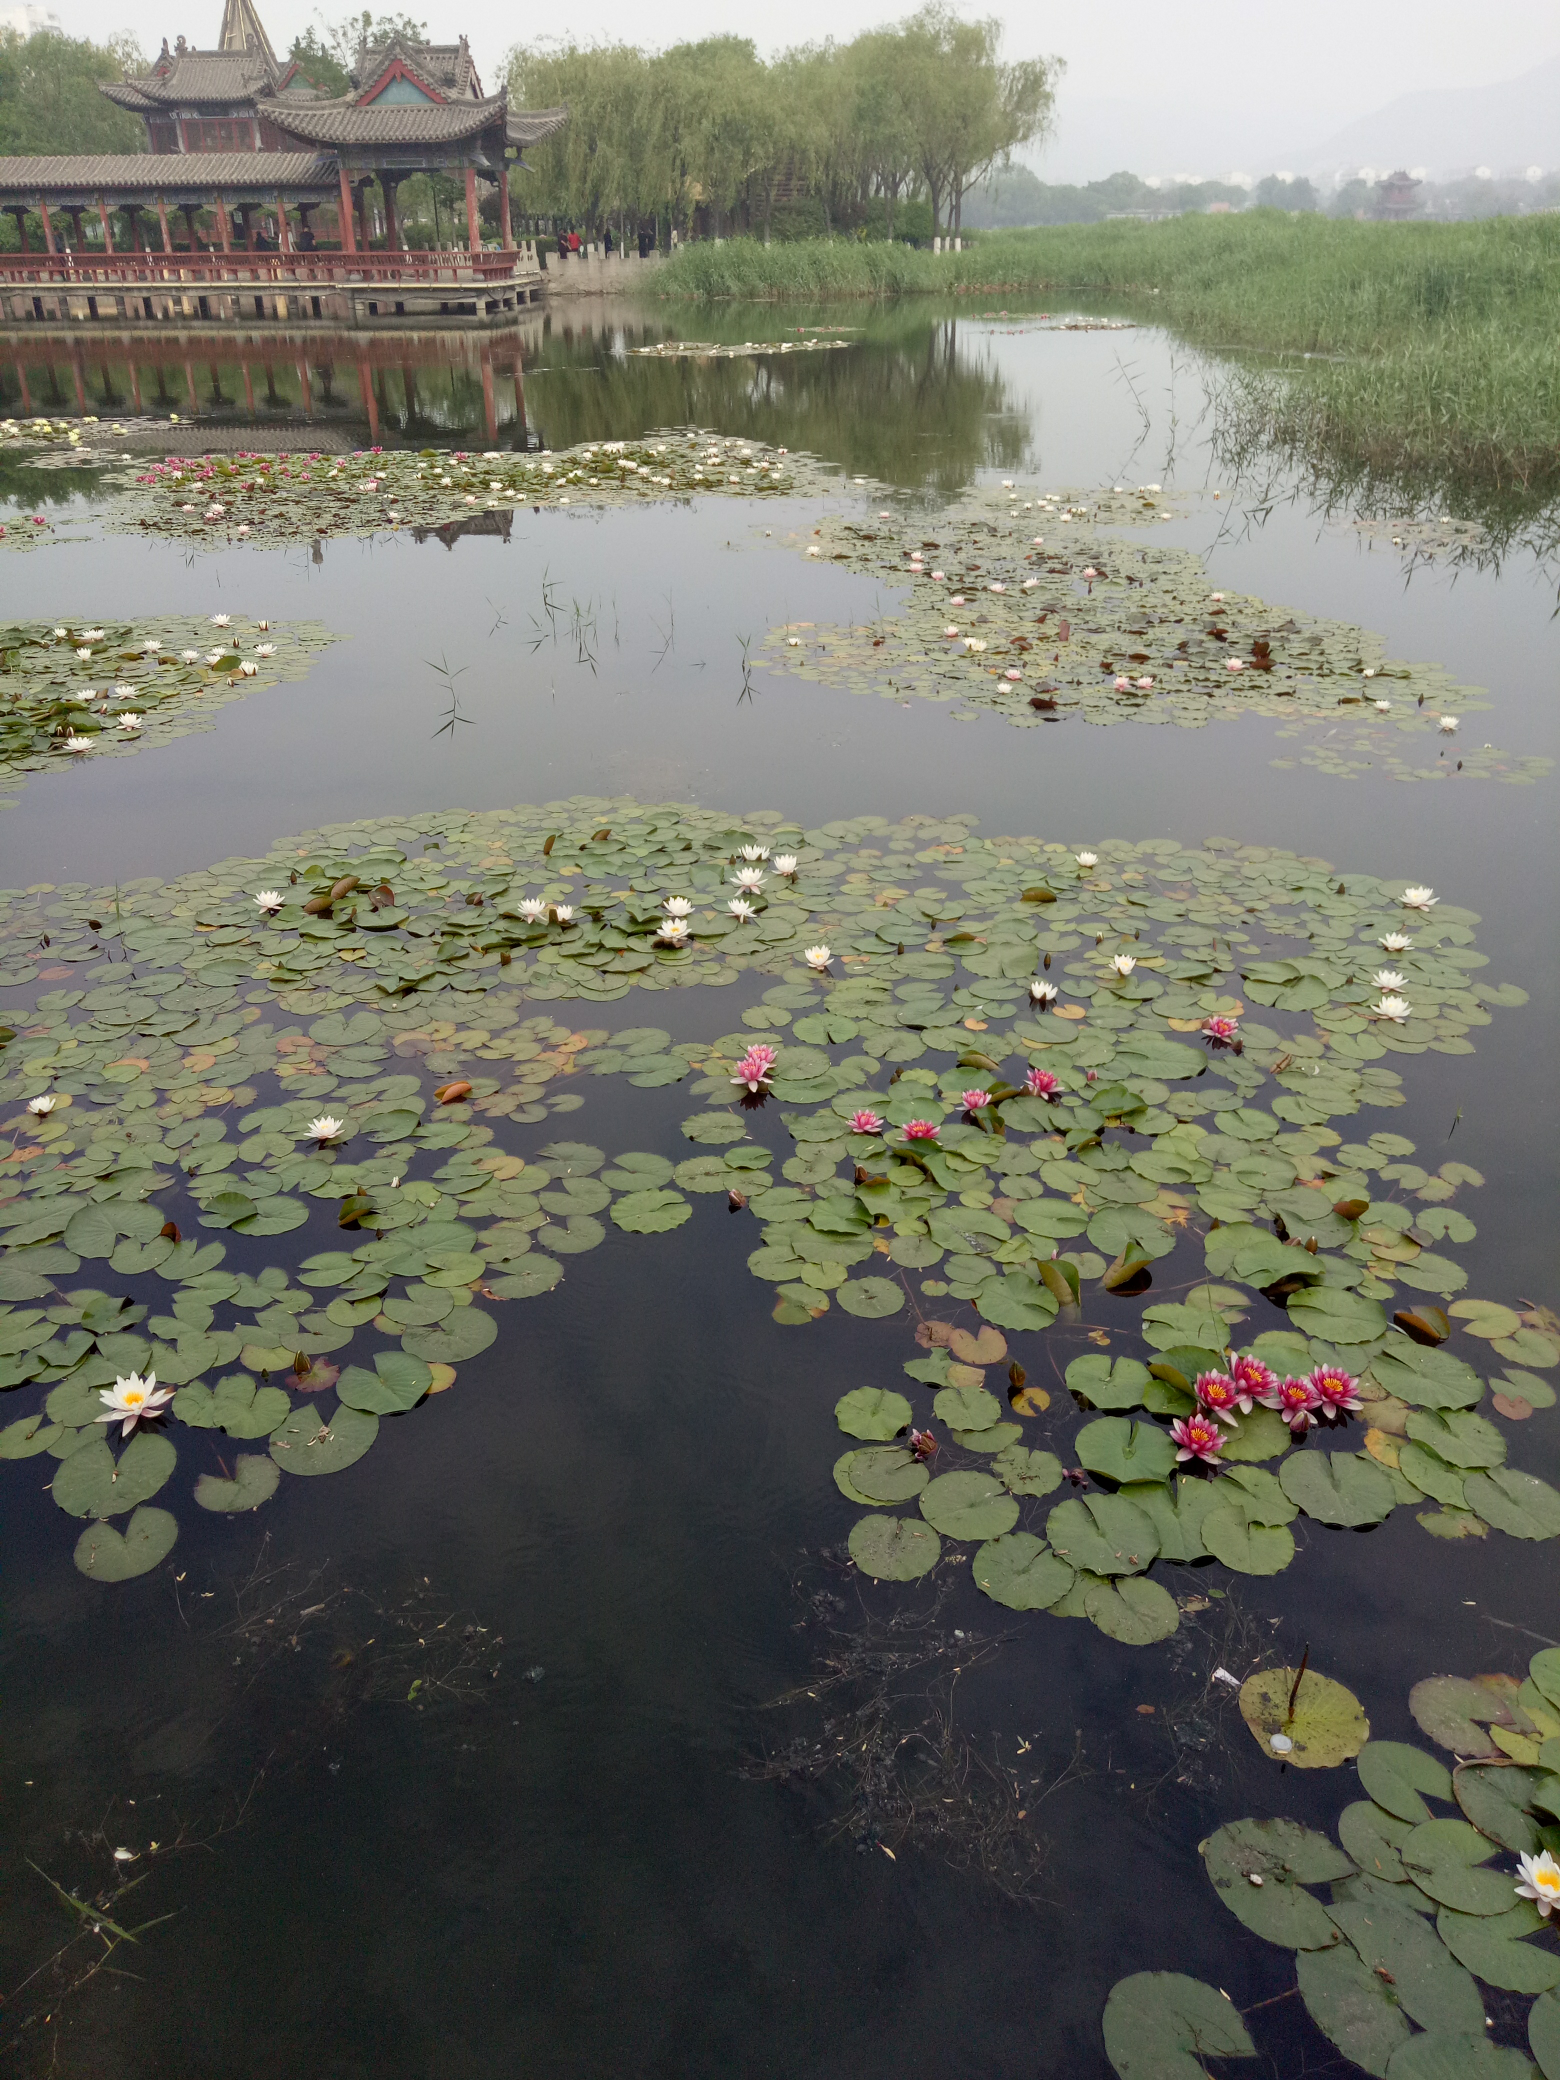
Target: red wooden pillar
{"type": "Point", "coordinates": [370, 401]}
{"type": "Point", "coordinates": [48, 228]}
{"type": "Point", "coordinates": [503, 210]}
{"type": "Point", "coordinates": [108, 229]}
{"type": "Point", "coordinates": [21, 229]}
{"type": "Point", "coordinates": [162, 218]}
{"type": "Point", "coordinates": [21, 377]}
{"type": "Point", "coordinates": [135, 229]}
{"type": "Point", "coordinates": [473, 221]}
{"type": "Point", "coordinates": [135, 385]}
{"type": "Point", "coordinates": [223, 231]}
{"type": "Point", "coordinates": [189, 384]}
{"type": "Point", "coordinates": [249, 388]}
{"type": "Point", "coordinates": [392, 231]}
{"type": "Point", "coordinates": [303, 388]}
{"type": "Point", "coordinates": [348, 242]}
{"type": "Point", "coordinates": [283, 228]}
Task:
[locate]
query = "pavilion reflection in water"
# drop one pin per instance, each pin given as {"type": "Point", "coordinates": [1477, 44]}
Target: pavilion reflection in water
{"type": "Point", "coordinates": [268, 388]}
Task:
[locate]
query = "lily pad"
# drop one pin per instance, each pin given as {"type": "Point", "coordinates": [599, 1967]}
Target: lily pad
{"type": "Point", "coordinates": [1102, 1535]}
{"type": "Point", "coordinates": [1123, 1450]}
{"type": "Point", "coordinates": [1544, 2035]}
{"type": "Point", "coordinates": [1162, 2025]}
{"type": "Point", "coordinates": [92, 1483]}
{"type": "Point", "coordinates": [309, 1443]}
{"type": "Point", "coordinates": [1520, 1504]}
{"type": "Point", "coordinates": [885, 1473]}
{"type": "Point", "coordinates": [235, 1404]}
{"type": "Point", "coordinates": [461, 1335]}
{"type": "Point", "coordinates": [967, 1408]}
{"type": "Point", "coordinates": [1283, 1857]}
{"type": "Point", "coordinates": [1431, 1985]}
{"type": "Point", "coordinates": [1248, 1548]}
{"type": "Point", "coordinates": [1344, 1488]}
{"type": "Point", "coordinates": [894, 1549]}
{"type": "Point", "coordinates": [1354, 2008]}
{"type": "Point", "coordinates": [1372, 1837]}
{"type": "Point", "coordinates": [109, 1555]}
{"type": "Point", "coordinates": [1016, 1302]}
{"type": "Point", "coordinates": [873, 1412]}
{"type": "Point", "coordinates": [1495, 1800]}
{"type": "Point", "coordinates": [969, 1505]}
{"type": "Point", "coordinates": [653, 1212]}
{"type": "Point", "coordinates": [870, 1298]}
{"type": "Point", "coordinates": [1134, 1611]}
{"type": "Point", "coordinates": [254, 1481]}
{"type": "Point", "coordinates": [1438, 2055]}
{"type": "Point", "coordinates": [1108, 1383]}
{"type": "Point", "coordinates": [1399, 1777]}
{"type": "Point", "coordinates": [1025, 1472]}
{"type": "Point", "coordinates": [1328, 1726]}
{"type": "Point", "coordinates": [1453, 1711]}
{"type": "Point", "coordinates": [397, 1383]}
{"type": "Point", "coordinates": [1022, 1572]}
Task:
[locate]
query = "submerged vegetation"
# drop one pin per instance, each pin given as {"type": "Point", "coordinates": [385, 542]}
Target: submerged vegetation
{"type": "Point", "coordinates": [1107, 1104]}
{"type": "Point", "coordinates": [1435, 342]}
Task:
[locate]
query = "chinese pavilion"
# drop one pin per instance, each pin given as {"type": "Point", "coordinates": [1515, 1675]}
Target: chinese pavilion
{"type": "Point", "coordinates": [239, 134]}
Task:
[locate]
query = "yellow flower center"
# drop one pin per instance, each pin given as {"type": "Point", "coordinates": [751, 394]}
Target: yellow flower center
{"type": "Point", "coordinates": [133, 1397]}
{"type": "Point", "coordinates": [1547, 1881]}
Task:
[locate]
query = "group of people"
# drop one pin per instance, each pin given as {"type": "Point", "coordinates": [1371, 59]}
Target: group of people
{"type": "Point", "coordinates": [569, 244]}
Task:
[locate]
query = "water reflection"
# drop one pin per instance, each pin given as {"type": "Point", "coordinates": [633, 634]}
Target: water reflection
{"type": "Point", "coordinates": [915, 400]}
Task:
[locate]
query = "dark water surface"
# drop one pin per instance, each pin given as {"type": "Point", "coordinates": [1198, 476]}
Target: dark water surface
{"type": "Point", "coordinates": [556, 1865]}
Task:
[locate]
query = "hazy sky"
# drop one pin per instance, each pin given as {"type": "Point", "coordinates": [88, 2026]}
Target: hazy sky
{"type": "Point", "coordinates": [1236, 71]}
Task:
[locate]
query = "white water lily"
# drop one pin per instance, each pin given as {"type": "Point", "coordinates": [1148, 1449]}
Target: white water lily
{"type": "Point", "coordinates": [214, 657]}
{"type": "Point", "coordinates": [268, 898]}
{"type": "Point", "coordinates": [92, 635]}
{"type": "Point", "coordinates": [133, 1400]}
{"type": "Point", "coordinates": [533, 909]}
{"type": "Point", "coordinates": [265, 649]}
{"type": "Point", "coordinates": [1087, 859]}
{"type": "Point", "coordinates": [785, 862]}
{"type": "Point", "coordinates": [325, 1128]}
{"type": "Point", "coordinates": [1420, 899]}
{"type": "Point", "coordinates": [1539, 1881]}
{"type": "Point", "coordinates": [677, 906]}
{"type": "Point", "coordinates": [1447, 724]}
{"type": "Point", "coordinates": [817, 957]}
{"type": "Point", "coordinates": [950, 631]}
{"type": "Point", "coordinates": [1043, 992]}
{"type": "Point", "coordinates": [151, 644]}
{"type": "Point", "coordinates": [38, 1107]}
{"type": "Point", "coordinates": [221, 620]}
{"type": "Point", "coordinates": [130, 724]}
{"type": "Point", "coordinates": [1388, 978]}
{"type": "Point", "coordinates": [83, 652]}
{"type": "Point", "coordinates": [564, 912]}
{"type": "Point", "coordinates": [1393, 1008]}
{"type": "Point", "coordinates": [190, 656]}
{"type": "Point", "coordinates": [78, 744]}
{"type": "Point", "coordinates": [741, 910]}
{"type": "Point", "coordinates": [1395, 942]}
{"type": "Point", "coordinates": [60, 634]}
{"type": "Point", "coordinates": [1123, 963]}
{"type": "Point", "coordinates": [750, 878]}
{"type": "Point", "coordinates": [753, 853]}
{"type": "Point", "coordinates": [673, 932]}
{"type": "Point", "coordinates": [974, 643]}
{"type": "Point", "coordinates": [1383, 707]}
{"type": "Point", "coordinates": [814, 550]}
{"type": "Point", "coordinates": [248, 669]}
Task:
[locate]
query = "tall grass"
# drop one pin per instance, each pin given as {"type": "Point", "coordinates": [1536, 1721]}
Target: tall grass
{"type": "Point", "coordinates": [1440, 345]}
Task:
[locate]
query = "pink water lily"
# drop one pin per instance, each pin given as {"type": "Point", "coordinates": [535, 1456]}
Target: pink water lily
{"type": "Point", "coordinates": [975, 1101]}
{"type": "Point", "coordinates": [1253, 1381]}
{"type": "Point", "coordinates": [866, 1121]}
{"type": "Point", "coordinates": [1337, 1392]}
{"type": "Point", "coordinates": [921, 1130]}
{"type": "Point", "coordinates": [1199, 1437]}
{"type": "Point", "coordinates": [756, 1067]}
{"type": "Point", "coordinates": [1040, 1083]}
{"type": "Point", "coordinates": [1217, 1395]}
{"type": "Point", "coordinates": [1220, 1030]}
{"type": "Point", "coordinates": [1297, 1402]}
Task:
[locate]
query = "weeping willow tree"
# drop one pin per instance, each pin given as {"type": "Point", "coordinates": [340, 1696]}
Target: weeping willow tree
{"type": "Point", "coordinates": [920, 111]}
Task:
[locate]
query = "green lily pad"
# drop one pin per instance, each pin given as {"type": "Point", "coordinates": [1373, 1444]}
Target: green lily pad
{"type": "Point", "coordinates": [109, 1555]}
{"type": "Point", "coordinates": [870, 1298]}
{"type": "Point", "coordinates": [1453, 1711]}
{"type": "Point", "coordinates": [1285, 1857]}
{"type": "Point", "coordinates": [873, 1412]}
{"type": "Point", "coordinates": [1354, 2008]}
{"type": "Point", "coordinates": [1263, 1434]}
{"type": "Point", "coordinates": [1425, 1377]}
{"type": "Point", "coordinates": [462, 1335]}
{"type": "Point", "coordinates": [1399, 1777]}
{"type": "Point", "coordinates": [1327, 1726]}
{"type": "Point", "coordinates": [1107, 1383]}
{"type": "Point", "coordinates": [1495, 1801]}
{"type": "Point", "coordinates": [1431, 1985]}
{"type": "Point", "coordinates": [397, 1383]}
{"type": "Point", "coordinates": [92, 1483]}
{"type": "Point", "coordinates": [1544, 2035]}
{"type": "Point", "coordinates": [653, 1212]}
{"type": "Point", "coordinates": [1025, 1472]}
{"type": "Point", "coordinates": [885, 1473]}
{"type": "Point", "coordinates": [1248, 1548]}
{"type": "Point", "coordinates": [1459, 1437]}
{"type": "Point", "coordinates": [1123, 1450]}
{"type": "Point", "coordinates": [309, 1443]}
{"type": "Point", "coordinates": [235, 1404]}
{"type": "Point", "coordinates": [1440, 2056]}
{"type": "Point", "coordinates": [1102, 1535]}
{"type": "Point", "coordinates": [1345, 1488]}
{"type": "Point", "coordinates": [1162, 2025]}
{"type": "Point", "coordinates": [28, 1436]}
{"type": "Point", "coordinates": [533, 1275]}
{"type": "Point", "coordinates": [254, 1481]}
{"type": "Point", "coordinates": [1021, 1571]}
{"type": "Point", "coordinates": [1016, 1301]}
{"type": "Point", "coordinates": [1372, 1836]}
{"type": "Point", "coordinates": [1133, 1611]}
{"type": "Point", "coordinates": [967, 1408]}
{"type": "Point", "coordinates": [1336, 1315]}
{"type": "Point", "coordinates": [894, 1549]}
{"type": "Point", "coordinates": [1520, 1504]}
{"type": "Point", "coordinates": [969, 1505]}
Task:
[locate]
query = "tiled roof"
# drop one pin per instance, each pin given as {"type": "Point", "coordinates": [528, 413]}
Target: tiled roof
{"type": "Point", "coordinates": [202, 76]}
{"type": "Point", "coordinates": [169, 173]}
{"type": "Point", "coordinates": [531, 125]}
{"type": "Point", "coordinates": [343, 122]}
{"type": "Point", "coordinates": [448, 65]}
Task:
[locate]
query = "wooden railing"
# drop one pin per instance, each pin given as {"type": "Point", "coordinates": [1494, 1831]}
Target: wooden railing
{"type": "Point", "coordinates": [76, 268]}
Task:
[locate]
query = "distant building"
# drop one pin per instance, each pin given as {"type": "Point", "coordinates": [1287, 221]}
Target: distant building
{"type": "Point", "coordinates": [1397, 197]}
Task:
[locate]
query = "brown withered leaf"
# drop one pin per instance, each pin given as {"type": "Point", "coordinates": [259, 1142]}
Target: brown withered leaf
{"type": "Point", "coordinates": [1426, 1325]}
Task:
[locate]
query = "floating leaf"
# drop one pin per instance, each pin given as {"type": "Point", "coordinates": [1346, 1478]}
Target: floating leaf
{"type": "Point", "coordinates": [1438, 2055]}
{"type": "Point", "coordinates": [309, 1443]}
{"type": "Point", "coordinates": [1430, 1984]}
{"type": "Point", "coordinates": [1396, 1774]}
{"type": "Point", "coordinates": [464, 1334]}
{"type": "Point", "coordinates": [1133, 1611]}
{"type": "Point", "coordinates": [1494, 1800]}
{"type": "Point", "coordinates": [1344, 1488]}
{"type": "Point", "coordinates": [653, 1212]}
{"type": "Point", "coordinates": [884, 1473]}
{"type": "Point", "coordinates": [1022, 1572]}
{"type": "Point", "coordinates": [1025, 1472]}
{"type": "Point", "coordinates": [91, 1483]}
{"type": "Point", "coordinates": [1283, 1858]}
{"type": "Point", "coordinates": [397, 1383]}
{"type": "Point", "coordinates": [1452, 1711]}
{"type": "Point", "coordinates": [1108, 1383]}
{"type": "Point", "coordinates": [1327, 1725]}
{"type": "Point", "coordinates": [1354, 2008]}
{"type": "Point", "coordinates": [894, 1549]}
{"type": "Point", "coordinates": [969, 1505]}
{"type": "Point", "coordinates": [875, 1412]}
{"type": "Point", "coordinates": [1372, 1837]}
{"type": "Point", "coordinates": [235, 1404]}
{"type": "Point", "coordinates": [870, 1298]}
{"type": "Point", "coordinates": [1248, 1548]}
{"type": "Point", "coordinates": [1544, 2035]}
{"type": "Point", "coordinates": [1162, 2025]}
{"type": "Point", "coordinates": [1016, 1302]}
{"type": "Point", "coordinates": [1520, 1504]}
{"type": "Point", "coordinates": [967, 1408]}
{"type": "Point", "coordinates": [111, 1556]}
{"type": "Point", "coordinates": [1102, 1535]}
{"type": "Point", "coordinates": [1442, 1858]}
{"type": "Point", "coordinates": [254, 1481]}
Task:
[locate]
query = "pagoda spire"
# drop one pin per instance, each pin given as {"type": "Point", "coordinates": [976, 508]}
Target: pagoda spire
{"type": "Point", "coordinates": [243, 30]}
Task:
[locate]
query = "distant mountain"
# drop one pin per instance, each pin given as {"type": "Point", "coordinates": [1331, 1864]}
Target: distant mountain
{"type": "Point", "coordinates": [1507, 127]}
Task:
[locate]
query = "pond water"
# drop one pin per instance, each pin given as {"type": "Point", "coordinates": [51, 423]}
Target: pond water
{"type": "Point", "coordinates": [559, 1735]}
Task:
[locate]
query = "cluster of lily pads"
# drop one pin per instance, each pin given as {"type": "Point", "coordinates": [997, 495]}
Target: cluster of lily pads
{"type": "Point", "coordinates": [69, 690]}
{"type": "Point", "coordinates": [1102, 1112]}
{"type": "Point", "coordinates": [1024, 609]}
{"type": "Point", "coordinates": [1422, 1906]}
{"type": "Point", "coordinates": [292, 497]}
